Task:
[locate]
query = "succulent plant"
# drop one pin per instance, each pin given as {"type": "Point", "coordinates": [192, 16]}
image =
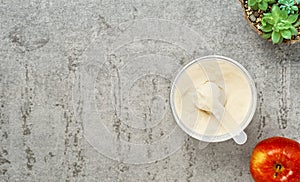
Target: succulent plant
{"type": "Point", "coordinates": [278, 25]}
{"type": "Point", "coordinates": [289, 6]}
{"type": "Point", "coordinates": [260, 4]}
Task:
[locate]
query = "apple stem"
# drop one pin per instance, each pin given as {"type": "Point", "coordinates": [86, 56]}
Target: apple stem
{"type": "Point", "coordinates": [278, 168]}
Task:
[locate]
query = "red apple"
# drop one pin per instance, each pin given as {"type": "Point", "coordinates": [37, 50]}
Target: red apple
{"type": "Point", "coordinates": [276, 159]}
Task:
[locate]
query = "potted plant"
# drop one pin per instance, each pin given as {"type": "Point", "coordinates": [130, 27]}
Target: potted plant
{"type": "Point", "coordinates": [275, 20]}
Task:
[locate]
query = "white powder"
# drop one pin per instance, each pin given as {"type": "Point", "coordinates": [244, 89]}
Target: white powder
{"type": "Point", "coordinates": [231, 81]}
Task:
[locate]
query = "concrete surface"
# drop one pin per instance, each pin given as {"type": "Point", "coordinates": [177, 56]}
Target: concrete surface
{"type": "Point", "coordinates": [66, 67]}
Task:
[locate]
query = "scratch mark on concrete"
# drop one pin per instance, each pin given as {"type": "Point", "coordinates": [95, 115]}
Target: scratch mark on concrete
{"type": "Point", "coordinates": [73, 149]}
{"type": "Point", "coordinates": [134, 12]}
{"type": "Point", "coordinates": [73, 60]}
{"type": "Point", "coordinates": [4, 162]}
{"type": "Point", "coordinates": [282, 116]}
{"type": "Point", "coordinates": [191, 158]}
{"type": "Point", "coordinates": [103, 24]}
{"type": "Point", "coordinates": [26, 110]}
{"type": "Point", "coordinates": [262, 118]}
{"type": "Point", "coordinates": [30, 158]}
{"type": "Point", "coordinates": [23, 43]}
{"type": "Point", "coordinates": [73, 146]}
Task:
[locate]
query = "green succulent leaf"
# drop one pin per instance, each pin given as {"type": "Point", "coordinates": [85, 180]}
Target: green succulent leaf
{"type": "Point", "coordinates": [275, 11]}
{"type": "Point", "coordinates": [297, 24]}
{"type": "Point", "coordinates": [286, 2]}
{"type": "Point", "coordinates": [267, 18]}
{"type": "Point", "coordinates": [283, 14]}
{"type": "Point", "coordinates": [267, 28]}
{"type": "Point", "coordinates": [263, 5]}
{"type": "Point", "coordinates": [260, 4]}
{"type": "Point", "coordinates": [283, 26]}
{"type": "Point", "coordinates": [280, 40]}
{"type": "Point", "coordinates": [293, 30]}
{"type": "Point", "coordinates": [276, 29]}
{"type": "Point", "coordinates": [263, 22]}
{"type": "Point", "coordinates": [275, 37]}
{"type": "Point", "coordinates": [293, 18]}
{"type": "Point", "coordinates": [278, 25]}
{"type": "Point", "coordinates": [251, 2]}
{"type": "Point", "coordinates": [255, 7]}
{"type": "Point", "coordinates": [286, 34]}
{"type": "Point", "coordinates": [266, 35]}
{"type": "Point", "coordinates": [271, 21]}
{"type": "Point", "coordinates": [295, 8]}
{"type": "Point", "coordinates": [267, 15]}
{"type": "Point", "coordinates": [288, 6]}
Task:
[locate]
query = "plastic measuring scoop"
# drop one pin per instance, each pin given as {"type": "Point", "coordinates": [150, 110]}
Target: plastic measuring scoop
{"type": "Point", "coordinates": [211, 98]}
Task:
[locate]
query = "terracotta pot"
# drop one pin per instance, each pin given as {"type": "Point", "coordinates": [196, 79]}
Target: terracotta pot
{"type": "Point", "coordinates": [259, 31]}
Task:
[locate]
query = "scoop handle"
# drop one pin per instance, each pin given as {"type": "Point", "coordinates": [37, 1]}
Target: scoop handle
{"type": "Point", "coordinates": [241, 138]}
{"type": "Point", "coordinates": [230, 124]}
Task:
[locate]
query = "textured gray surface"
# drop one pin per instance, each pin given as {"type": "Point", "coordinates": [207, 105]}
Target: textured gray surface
{"type": "Point", "coordinates": [44, 53]}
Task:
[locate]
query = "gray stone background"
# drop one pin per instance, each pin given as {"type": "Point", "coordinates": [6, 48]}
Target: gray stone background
{"type": "Point", "coordinates": [43, 50]}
